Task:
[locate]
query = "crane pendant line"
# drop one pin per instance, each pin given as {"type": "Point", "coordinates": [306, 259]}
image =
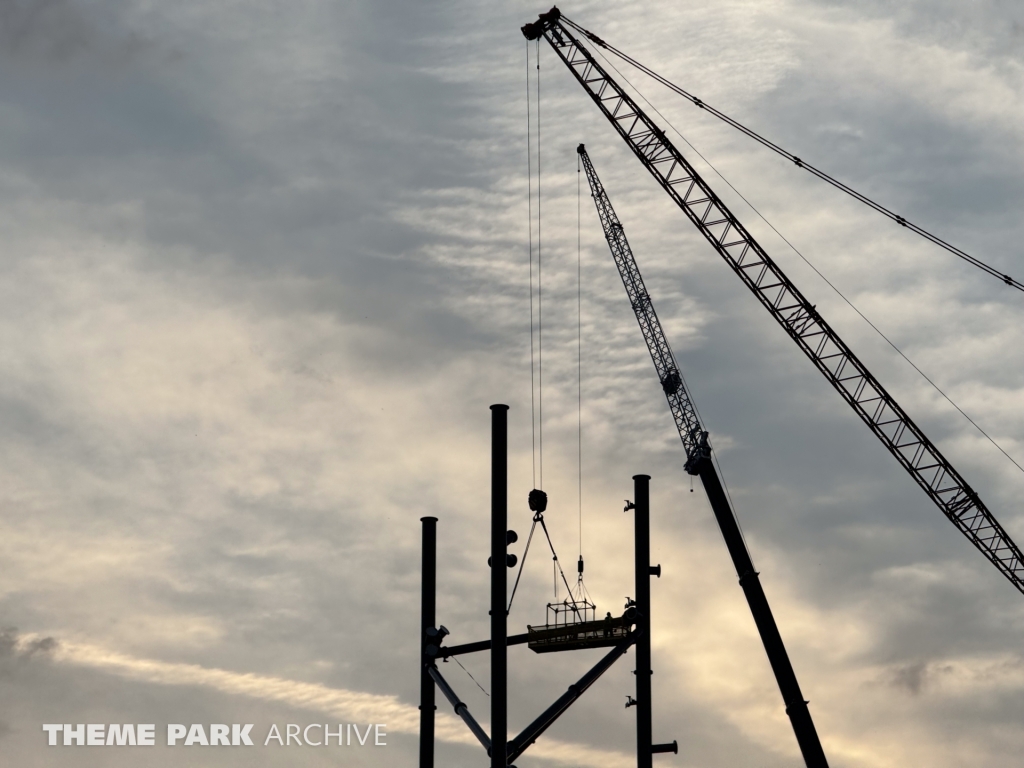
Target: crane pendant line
{"type": "Point", "coordinates": [784, 301]}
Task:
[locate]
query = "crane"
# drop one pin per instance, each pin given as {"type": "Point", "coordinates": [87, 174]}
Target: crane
{"type": "Point", "coordinates": [699, 463]}
{"type": "Point", "coordinates": [800, 319]}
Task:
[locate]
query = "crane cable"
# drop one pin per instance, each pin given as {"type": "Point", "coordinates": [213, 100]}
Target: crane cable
{"type": "Point", "coordinates": [540, 302]}
{"type": "Point", "coordinates": [1013, 283]}
{"type": "Point", "coordinates": [536, 350]}
{"type": "Point", "coordinates": [529, 220]}
{"type": "Point", "coordinates": [554, 558]}
{"type": "Point", "coordinates": [526, 551]}
{"type": "Point", "coordinates": [581, 588]}
{"type": "Point", "coordinates": [539, 518]}
{"type": "Point", "coordinates": [537, 384]}
{"type": "Point", "coordinates": [456, 658]}
{"type": "Point", "coordinates": [818, 272]}
{"type": "Point", "coordinates": [579, 362]}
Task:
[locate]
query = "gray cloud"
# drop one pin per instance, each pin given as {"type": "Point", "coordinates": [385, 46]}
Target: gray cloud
{"type": "Point", "coordinates": [11, 648]}
{"type": "Point", "coordinates": [61, 33]}
{"type": "Point", "coordinates": [911, 677]}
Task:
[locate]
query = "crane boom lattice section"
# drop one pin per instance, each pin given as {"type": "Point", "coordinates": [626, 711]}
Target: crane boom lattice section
{"type": "Point", "coordinates": [683, 412]}
{"type": "Point", "coordinates": [784, 301]}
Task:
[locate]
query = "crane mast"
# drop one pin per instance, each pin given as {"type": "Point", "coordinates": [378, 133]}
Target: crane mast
{"type": "Point", "coordinates": [787, 305]}
{"type": "Point", "coordinates": [698, 462]}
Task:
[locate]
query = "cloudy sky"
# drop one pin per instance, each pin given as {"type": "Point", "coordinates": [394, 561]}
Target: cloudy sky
{"type": "Point", "coordinates": [265, 266]}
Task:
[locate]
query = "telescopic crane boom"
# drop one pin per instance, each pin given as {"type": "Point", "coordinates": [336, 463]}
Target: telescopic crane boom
{"type": "Point", "coordinates": [699, 463]}
{"type": "Point", "coordinates": [784, 301]}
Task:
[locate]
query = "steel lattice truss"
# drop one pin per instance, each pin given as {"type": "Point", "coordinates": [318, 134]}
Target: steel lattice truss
{"type": "Point", "coordinates": [797, 316]}
{"type": "Point", "coordinates": [685, 415]}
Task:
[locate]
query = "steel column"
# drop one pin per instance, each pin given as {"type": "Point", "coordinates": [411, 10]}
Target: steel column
{"type": "Point", "coordinates": [642, 565]}
{"type": "Point", "coordinates": [499, 585]}
{"type": "Point", "coordinates": [428, 603]}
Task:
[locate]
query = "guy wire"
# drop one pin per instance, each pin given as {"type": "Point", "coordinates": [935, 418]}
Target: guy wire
{"type": "Point", "coordinates": [470, 676]}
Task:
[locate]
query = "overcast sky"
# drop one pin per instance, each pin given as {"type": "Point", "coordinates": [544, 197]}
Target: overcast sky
{"type": "Point", "coordinates": [265, 267]}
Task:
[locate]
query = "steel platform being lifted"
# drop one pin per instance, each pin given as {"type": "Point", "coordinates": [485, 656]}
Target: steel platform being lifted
{"type": "Point", "coordinates": [576, 635]}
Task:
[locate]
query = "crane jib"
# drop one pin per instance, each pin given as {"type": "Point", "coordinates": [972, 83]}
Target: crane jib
{"type": "Point", "coordinates": [784, 301]}
{"type": "Point", "coordinates": [683, 411]}
{"type": "Point", "coordinates": [699, 463]}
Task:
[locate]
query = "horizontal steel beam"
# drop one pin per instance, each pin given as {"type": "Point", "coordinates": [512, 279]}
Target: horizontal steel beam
{"type": "Point", "coordinates": [482, 645]}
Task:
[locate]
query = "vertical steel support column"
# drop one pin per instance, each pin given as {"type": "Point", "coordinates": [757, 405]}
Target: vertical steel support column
{"type": "Point", "coordinates": [499, 586]}
{"type": "Point", "coordinates": [642, 564]}
{"type": "Point", "coordinates": [428, 605]}
{"type": "Point", "coordinates": [796, 707]}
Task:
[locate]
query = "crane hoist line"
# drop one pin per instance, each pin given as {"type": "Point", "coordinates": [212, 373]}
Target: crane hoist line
{"type": "Point", "coordinates": [800, 319]}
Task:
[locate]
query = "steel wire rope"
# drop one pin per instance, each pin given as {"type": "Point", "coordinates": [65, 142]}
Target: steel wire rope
{"type": "Point", "coordinates": [537, 424]}
{"type": "Point", "coordinates": [519, 575]}
{"type": "Point", "coordinates": [529, 219]}
{"type": "Point", "coordinates": [470, 676]}
{"type": "Point", "coordinates": [533, 364]}
{"type": "Point", "coordinates": [540, 298]}
{"type": "Point", "coordinates": [798, 162]}
{"type": "Point", "coordinates": [579, 361]}
{"type": "Point", "coordinates": [815, 269]}
{"type": "Point", "coordinates": [558, 563]}
{"type": "Point", "coordinates": [539, 518]}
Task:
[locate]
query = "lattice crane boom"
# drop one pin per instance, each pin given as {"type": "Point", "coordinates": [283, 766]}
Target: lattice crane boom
{"type": "Point", "coordinates": [698, 462]}
{"type": "Point", "coordinates": [683, 411]}
{"type": "Point", "coordinates": [787, 305]}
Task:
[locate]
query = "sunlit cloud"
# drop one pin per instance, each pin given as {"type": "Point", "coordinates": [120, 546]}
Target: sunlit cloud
{"type": "Point", "coordinates": [340, 704]}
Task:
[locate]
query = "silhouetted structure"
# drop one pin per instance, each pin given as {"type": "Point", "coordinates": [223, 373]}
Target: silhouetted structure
{"type": "Point", "coordinates": [574, 627]}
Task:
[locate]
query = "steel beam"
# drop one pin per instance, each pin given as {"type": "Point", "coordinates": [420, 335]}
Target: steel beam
{"type": "Point", "coordinates": [428, 603]}
{"type": "Point", "coordinates": [480, 645]}
{"type": "Point", "coordinates": [642, 575]}
{"type": "Point", "coordinates": [532, 732]}
{"type": "Point", "coordinates": [460, 708]}
{"type": "Point", "coordinates": [499, 585]}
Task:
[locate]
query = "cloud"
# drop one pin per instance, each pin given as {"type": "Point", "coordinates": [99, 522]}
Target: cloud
{"type": "Point", "coordinates": [62, 33]}
{"type": "Point", "coordinates": [341, 704]}
{"type": "Point", "coordinates": [910, 677]}
{"type": "Point", "coordinates": [257, 299]}
{"type": "Point", "coordinates": [14, 645]}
